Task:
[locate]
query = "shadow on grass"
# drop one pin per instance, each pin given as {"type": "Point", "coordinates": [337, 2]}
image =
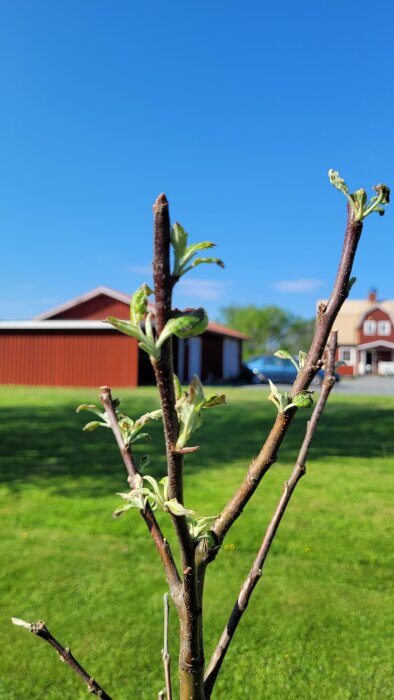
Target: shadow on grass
{"type": "Point", "coordinates": [46, 442]}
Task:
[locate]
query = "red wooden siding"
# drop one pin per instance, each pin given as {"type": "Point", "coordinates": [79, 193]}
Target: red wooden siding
{"type": "Point", "coordinates": [211, 357]}
{"type": "Point", "coordinates": [345, 370]}
{"type": "Point", "coordinates": [56, 358]}
{"type": "Point", "coordinates": [375, 315]}
{"type": "Point", "coordinates": [96, 309]}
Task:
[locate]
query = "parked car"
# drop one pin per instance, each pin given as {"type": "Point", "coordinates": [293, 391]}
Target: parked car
{"type": "Point", "coordinates": [278, 370]}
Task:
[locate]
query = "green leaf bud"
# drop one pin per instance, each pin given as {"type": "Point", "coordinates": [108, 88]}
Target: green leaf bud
{"type": "Point", "coordinates": [301, 400]}
{"type": "Point", "coordinates": [93, 425]}
{"type": "Point", "coordinates": [176, 508]}
{"type": "Point", "coordinates": [184, 324]}
{"type": "Point", "coordinates": [139, 304]}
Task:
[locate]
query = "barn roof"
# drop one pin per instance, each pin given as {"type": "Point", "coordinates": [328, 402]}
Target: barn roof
{"type": "Point", "coordinates": [213, 327]}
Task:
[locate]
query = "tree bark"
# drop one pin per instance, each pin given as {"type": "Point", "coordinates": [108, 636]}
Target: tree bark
{"type": "Point", "coordinates": [191, 653]}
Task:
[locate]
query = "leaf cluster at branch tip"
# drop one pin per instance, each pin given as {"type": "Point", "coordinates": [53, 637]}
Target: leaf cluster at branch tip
{"type": "Point", "coordinates": [358, 200]}
{"type": "Point", "coordinates": [184, 254]}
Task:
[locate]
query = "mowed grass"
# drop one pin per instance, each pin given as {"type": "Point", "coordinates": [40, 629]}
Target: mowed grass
{"type": "Point", "coordinates": [320, 624]}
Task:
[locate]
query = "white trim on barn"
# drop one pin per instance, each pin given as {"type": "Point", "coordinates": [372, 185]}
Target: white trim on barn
{"type": "Point", "coordinates": [55, 325]}
{"type": "Point", "coordinates": [118, 296]}
{"type": "Point", "coordinates": [195, 348]}
{"type": "Point", "coordinates": [230, 358]}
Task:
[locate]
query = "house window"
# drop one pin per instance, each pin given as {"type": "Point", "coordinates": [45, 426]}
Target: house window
{"type": "Point", "coordinates": [369, 327]}
{"type": "Point", "coordinates": [384, 328]}
{"type": "Point", "coordinates": [346, 355]}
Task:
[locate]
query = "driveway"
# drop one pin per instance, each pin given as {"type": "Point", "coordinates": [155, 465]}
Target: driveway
{"type": "Point", "coordinates": [367, 386]}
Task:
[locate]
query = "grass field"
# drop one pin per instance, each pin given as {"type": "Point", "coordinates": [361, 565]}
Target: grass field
{"type": "Point", "coordinates": [320, 624]}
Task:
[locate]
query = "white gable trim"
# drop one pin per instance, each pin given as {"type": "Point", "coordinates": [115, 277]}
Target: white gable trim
{"type": "Point", "coordinates": [98, 291]}
{"type": "Point", "coordinates": [376, 307]}
{"type": "Point", "coordinates": [376, 344]}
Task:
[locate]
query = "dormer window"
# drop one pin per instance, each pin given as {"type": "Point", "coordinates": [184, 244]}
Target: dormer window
{"type": "Point", "coordinates": [370, 327]}
{"type": "Point", "coordinates": [384, 328]}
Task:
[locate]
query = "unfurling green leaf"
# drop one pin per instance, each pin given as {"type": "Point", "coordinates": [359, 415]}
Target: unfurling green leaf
{"type": "Point", "coordinates": [140, 495]}
{"type": "Point", "coordinates": [184, 254]}
{"type": "Point", "coordinates": [201, 261]}
{"type": "Point", "coordinates": [284, 355]}
{"type": "Point", "coordinates": [88, 407]}
{"type": "Point", "coordinates": [176, 508]}
{"type": "Point", "coordinates": [178, 240]}
{"type": "Point", "coordinates": [214, 400]}
{"type": "Point", "coordinates": [184, 324]}
{"type": "Point", "coordinates": [278, 399]}
{"type": "Point", "coordinates": [126, 327]}
{"type": "Point", "coordinates": [199, 528]}
{"type": "Point", "coordinates": [131, 429]}
{"type": "Point", "coordinates": [139, 304]}
{"type": "Point", "coordinates": [189, 407]}
{"type": "Point", "coordinates": [122, 509]}
{"type": "Point", "coordinates": [177, 388]}
{"type": "Point", "coordinates": [92, 425]}
{"type": "Point", "coordinates": [302, 358]}
{"type": "Point", "coordinates": [89, 427]}
{"type": "Point", "coordinates": [146, 342]}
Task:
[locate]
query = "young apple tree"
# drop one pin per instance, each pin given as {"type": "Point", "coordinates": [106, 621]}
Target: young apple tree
{"type": "Point", "coordinates": [199, 539]}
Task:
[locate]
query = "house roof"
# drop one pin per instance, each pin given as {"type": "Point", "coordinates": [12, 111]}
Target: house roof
{"type": "Point", "coordinates": [213, 327]}
{"type": "Point", "coordinates": [352, 314]}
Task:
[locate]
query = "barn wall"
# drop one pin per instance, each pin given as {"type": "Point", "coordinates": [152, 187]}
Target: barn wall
{"type": "Point", "coordinates": [96, 309]}
{"type": "Point", "coordinates": [68, 359]}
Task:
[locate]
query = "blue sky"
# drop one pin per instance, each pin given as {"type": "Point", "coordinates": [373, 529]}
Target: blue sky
{"type": "Point", "coordinates": [235, 110]}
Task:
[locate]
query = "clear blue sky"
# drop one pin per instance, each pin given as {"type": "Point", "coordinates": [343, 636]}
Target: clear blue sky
{"type": "Point", "coordinates": [235, 110]}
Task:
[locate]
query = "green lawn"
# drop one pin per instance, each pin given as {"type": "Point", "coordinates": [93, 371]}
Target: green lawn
{"type": "Point", "coordinates": [320, 625]}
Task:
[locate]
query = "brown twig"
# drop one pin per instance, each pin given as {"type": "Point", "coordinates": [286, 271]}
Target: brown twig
{"type": "Point", "coordinates": [165, 653]}
{"type": "Point", "coordinates": [258, 564]}
{"type": "Point", "coordinates": [170, 569]}
{"type": "Point", "coordinates": [268, 453]}
{"type": "Point", "coordinates": [40, 629]}
{"type": "Point", "coordinates": [191, 657]}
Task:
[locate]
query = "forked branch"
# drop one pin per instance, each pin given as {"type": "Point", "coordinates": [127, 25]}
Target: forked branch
{"type": "Point", "coordinates": [256, 571]}
{"type": "Point", "coordinates": [40, 629]}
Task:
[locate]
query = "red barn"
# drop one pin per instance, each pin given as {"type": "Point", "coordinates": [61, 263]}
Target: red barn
{"type": "Point", "coordinates": [71, 346]}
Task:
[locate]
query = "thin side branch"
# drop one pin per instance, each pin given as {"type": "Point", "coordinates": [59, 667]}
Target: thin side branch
{"type": "Point", "coordinates": [165, 653]}
{"type": "Point", "coordinates": [268, 454]}
{"type": "Point", "coordinates": [40, 630]}
{"type": "Point", "coordinates": [170, 569]}
{"type": "Point", "coordinates": [256, 571]}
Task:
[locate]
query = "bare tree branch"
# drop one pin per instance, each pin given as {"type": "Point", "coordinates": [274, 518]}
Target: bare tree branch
{"type": "Point", "coordinates": [258, 564]}
{"type": "Point", "coordinates": [40, 629]}
{"type": "Point", "coordinates": [165, 653]}
{"type": "Point", "coordinates": [325, 321]}
{"type": "Point", "coordinates": [170, 569]}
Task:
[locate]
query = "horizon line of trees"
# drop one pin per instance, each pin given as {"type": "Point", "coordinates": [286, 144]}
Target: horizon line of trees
{"type": "Point", "coordinates": [270, 327]}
